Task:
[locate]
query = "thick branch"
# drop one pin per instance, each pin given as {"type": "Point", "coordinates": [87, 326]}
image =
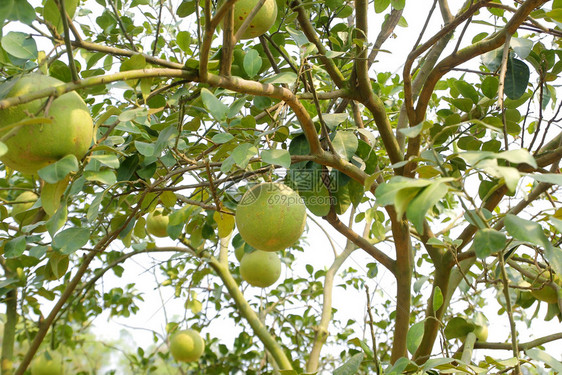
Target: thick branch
{"type": "Point", "coordinates": [404, 270]}
{"type": "Point", "coordinates": [368, 97]}
{"type": "Point", "coordinates": [261, 331]}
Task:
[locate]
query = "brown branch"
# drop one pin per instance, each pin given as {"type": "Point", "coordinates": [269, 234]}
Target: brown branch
{"type": "Point", "coordinates": [368, 98]}
{"type": "Point", "coordinates": [403, 273]}
{"type": "Point", "coordinates": [361, 242]}
{"type": "Point", "coordinates": [466, 54]}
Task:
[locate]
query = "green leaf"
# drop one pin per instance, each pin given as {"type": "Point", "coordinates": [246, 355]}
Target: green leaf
{"type": "Point", "coordinates": [277, 157]}
{"type": "Point", "coordinates": [457, 327]}
{"type": "Point", "coordinates": [222, 138]}
{"type": "Point", "coordinates": [183, 39]}
{"type": "Point", "coordinates": [518, 156]}
{"type": "Point", "coordinates": [51, 195]}
{"type": "Point", "coordinates": [15, 247]}
{"type": "Point", "coordinates": [21, 11]}
{"type": "Point", "coordinates": [521, 46]}
{"type": "Point", "coordinates": [243, 153]}
{"type": "Point", "coordinates": [437, 299]}
{"type": "Point", "coordinates": [463, 104]}
{"type": "Point", "coordinates": [555, 14]}
{"type": "Point", "coordinates": [51, 12]}
{"type": "Point", "coordinates": [511, 177]}
{"type": "Point", "coordinates": [345, 144]}
{"type": "Point", "coordinates": [105, 176]}
{"type": "Point", "coordinates": [351, 366]}
{"type": "Point", "coordinates": [549, 178]}
{"type": "Point", "coordinates": [424, 201]}
{"type": "Point", "coordinates": [57, 171]}
{"type": "Point", "coordinates": [467, 90]}
{"type": "Point", "coordinates": [252, 63]}
{"type": "Point", "coordinates": [71, 239]}
{"type": "Point", "coordinates": [110, 160]}
{"type": "Point", "coordinates": [332, 120]}
{"type": "Point", "coordinates": [399, 366]}
{"type": "Point", "coordinates": [386, 192]}
{"type": "Point", "coordinates": [554, 257]}
{"type": "Point", "coordinates": [216, 108]}
{"type": "Point", "coordinates": [398, 4]}
{"type": "Point", "coordinates": [542, 356]}
{"type": "Point", "coordinates": [20, 45]}
{"type": "Point", "coordinates": [145, 149]}
{"type": "Point", "coordinates": [490, 87]}
{"type": "Point", "coordinates": [57, 220]}
{"type": "Point", "coordinates": [487, 242]}
{"type": "Point", "coordinates": [414, 337]}
{"type": "Point", "coordinates": [94, 208]}
{"type": "Point", "coordinates": [493, 59]}
{"type": "Point", "coordinates": [186, 8]}
{"type": "Point", "coordinates": [381, 5]}
{"type": "Point", "coordinates": [283, 77]}
{"type": "Point", "coordinates": [526, 231]}
{"type": "Point", "coordinates": [516, 78]}
{"type": "Point", "coordinates": [308, 183]}
{"type": "Point", "coordinates": [412, 131]}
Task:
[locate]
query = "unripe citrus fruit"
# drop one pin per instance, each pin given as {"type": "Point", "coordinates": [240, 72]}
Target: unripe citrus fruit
{"type": "Point", "coordinates": [481, 332]}
{"type": "Point", "coordinates": [260, 268]}
{"type": "Point", "coordinates": [32, 147]}
{"type": "Point", "coordinates": [157, 223]}
{"type": "Point", "coordinates": [187, 345]}
{"type": "Point", "coordinates": [47, 363]}
{"type": "Point", "coordinates": [264, 19]}
{"type": "Point", "coordinates": [546, 293]}
{"type": "Point", "coordinates": [20, 211]}
{"type": "Point", "coordinates": [541, 289]}
{"type": "Point", "coordinates": [271, 216]}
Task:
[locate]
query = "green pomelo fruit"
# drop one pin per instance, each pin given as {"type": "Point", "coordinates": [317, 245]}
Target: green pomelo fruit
{"type": "Point", "coordinates": [260, 268]}
{"type": "Point", "coordinates": [539, 284]}
{"type": "Point", "coordinates": [187, 345]}
{"type": "Point", "coordinates": [271, 216]}
{"type": "Point", "coordinates": [481, 332]}
{"type": "Point", "coordinates": [20, 211]}
{"type": "Point", "coordinates": [47, 363]}
{"type": "Point", "coordinates": [32, 147]}
{"type": "Point", "coordinates": [157, 223]}
{"type": "Point", "coordinates": [239, 253]}
{"type": "Point", "coordinates": [264, 19]}
{"type": "Point", "coordinates": [547, 293]}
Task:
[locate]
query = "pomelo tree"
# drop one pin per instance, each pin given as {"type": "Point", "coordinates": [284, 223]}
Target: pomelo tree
{"type": "Point", "coordinates": [423, 138]}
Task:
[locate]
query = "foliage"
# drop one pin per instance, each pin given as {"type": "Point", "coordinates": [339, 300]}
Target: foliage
{"type": "Point", "coordinates": [441, 180]}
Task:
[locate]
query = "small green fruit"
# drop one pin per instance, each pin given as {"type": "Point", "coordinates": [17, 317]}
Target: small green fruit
{"type": "Point", "coordinates": [271, 216]}
{"type": "Point", "coordinates": [47, 363]}
{"type": "Point", "coordinates": [546, 293]}
{"type": "Point", "coordinates": [239, 253]}
{"type": "Point", "coordinates": [260, 268]}
{"type": "Point", "coordinates": [32, 147]}
{"type": "Point", "coordinates": [264, 19]}
{"type": "Point", "coordinates": [187, 345]}
{"type": "Point", "coordinates": [157, 223]}
{"type": "Point", "coordinates": [20, 211]}
{"type": "Point", "coordinates": [481, 332]}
